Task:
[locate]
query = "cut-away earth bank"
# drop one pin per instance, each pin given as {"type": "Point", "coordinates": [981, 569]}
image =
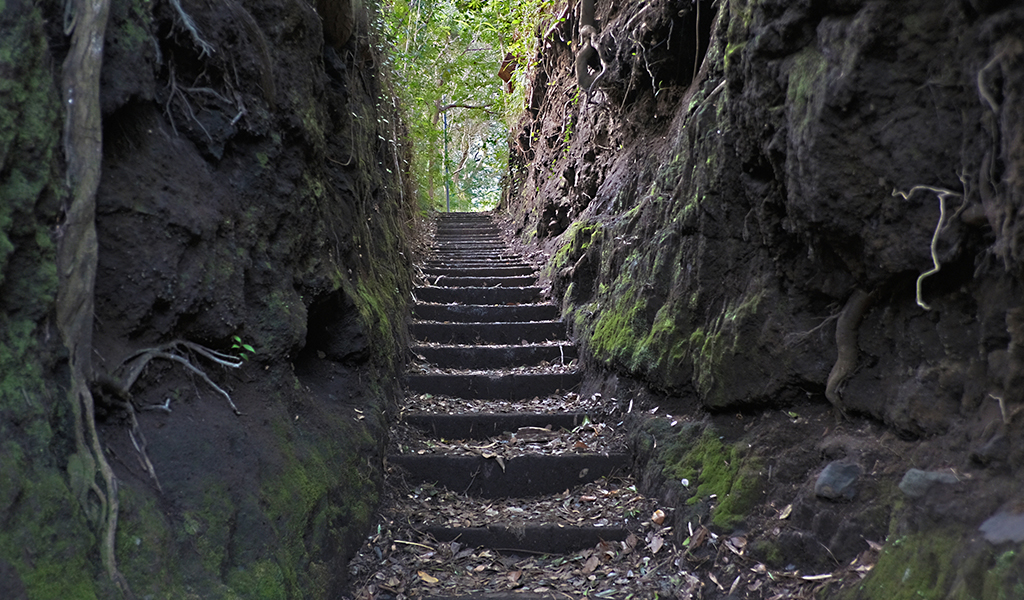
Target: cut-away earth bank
{"type": "Point", "coordinates": [794, 225]}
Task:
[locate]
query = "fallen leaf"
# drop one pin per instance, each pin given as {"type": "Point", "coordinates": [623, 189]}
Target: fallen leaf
{"type": "Point", "coordinates": [588, 498]}
{"type": "Point", "coordinates": [714, 580]}
{"type": "Point", "coordinates": [591, 564]}
{"type": "Point", "coordinates": [655, 544]}
{"type": "Point", "coordinates": [427, 577]}
{"type": "Point", "coordinates": [699, 538]}
{"type": "Point", "coordinates": [514, 576]}
{"type": "Point", "coordinates": [658, 517]}
{"type": "Point", "coordinates": [732, 588]}
{"type": "Point", "coordinates": [631, 541]}
{"type": "Point", "coordinates": [732, 546]}
{"type": "Point", "coordinates": [786, 512]}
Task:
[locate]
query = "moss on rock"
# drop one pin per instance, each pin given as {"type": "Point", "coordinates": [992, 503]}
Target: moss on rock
{"type": "Point", "coordinates": [918, 566]}
{"type": "Point", "coordinates": [723, 475]}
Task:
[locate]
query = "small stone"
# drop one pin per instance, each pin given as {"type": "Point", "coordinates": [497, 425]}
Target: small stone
{"type": "Point", "coordinates": [996, 450]}
{"type": "Point", "coordinates": [916, 482]}
{"type": "Point", "coordinates": [837, 480]}
{"type": "Point", "coordinates": [1004, 527]}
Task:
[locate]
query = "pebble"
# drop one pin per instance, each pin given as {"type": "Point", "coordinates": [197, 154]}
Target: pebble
{"type": "Point", "coordinates": [1004, 527]}
{"type": "Point", "coordinates": [837, 481]}
{"type": "Point", "coordinates": [916, 482]}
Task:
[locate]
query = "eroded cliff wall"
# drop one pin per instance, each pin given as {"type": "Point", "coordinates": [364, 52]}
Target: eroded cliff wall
{"type": "Point", "coordinates": [251, 203]}
{"type": "Point", "coordinates": [756, 236]}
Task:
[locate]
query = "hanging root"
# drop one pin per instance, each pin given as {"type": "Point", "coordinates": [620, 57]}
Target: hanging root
{"type": "Point", "coordinates": [943, 194]}
{"type": "Point", "coordinates": [846, 345]}
{"type": "Point", "coordinates": [797, 338]}
{"type": "Point", "coordinates": [205, 48]}
{"type": "Point", "coordinates": [176, 91]}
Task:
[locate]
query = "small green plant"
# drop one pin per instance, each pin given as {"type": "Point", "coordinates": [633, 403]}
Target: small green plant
{"type": "Point", "coordinates": [240, 348]}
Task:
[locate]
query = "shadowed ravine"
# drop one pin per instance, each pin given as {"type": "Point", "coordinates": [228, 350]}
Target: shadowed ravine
{"type": "Point", "coordinates": [747, 321]}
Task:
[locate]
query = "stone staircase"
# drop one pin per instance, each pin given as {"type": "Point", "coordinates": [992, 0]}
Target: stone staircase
{"type": "Point", "coordinates": [479, 317]}
{"type": "Point", "coordinates": [492, 423]}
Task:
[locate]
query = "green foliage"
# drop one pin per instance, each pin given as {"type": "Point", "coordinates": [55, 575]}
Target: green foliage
{"type": "Point", "coordinates": [445, 56]}
{"type": "Point", "coordinates": [239, 347]}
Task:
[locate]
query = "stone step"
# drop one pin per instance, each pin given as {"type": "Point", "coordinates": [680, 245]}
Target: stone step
{"type": "Point", "coordinates": [475, 313]}
{"type": "Point", "coordinates": [480, 271]}
{"type": "Point", "coordinates": [478, 295]}
{"type": "Point", "coordinates": [466, 228]}
{"type": "Point", "coordinates": [475, 236]}
{"type": "Point", "coordinates": [480, 238]}
{"type": "Point", "coordinates": [487, 333]}
{"type": "Point", "coordinates": [512, 386]}
{"type": "Point", "coordinates": [502, 596]}
{"type": "Point", "coordinates": [448, 281]}
{"type": "Point", "coordinates": [480, 426]}
{"type": "Point", "coordinates": [481, 243]}
{"type": "Point", "coordinates": [542, 539]}
{"type": "Point", "coordinates": [522, 477]}
{"type": "Point", "coordinates": [467, 247]}
{"type": "Point", "coordinates": [473, 255]}
{"type": "Point", "coordinates": [476, 264]}
{"type": "Point", "coordinates": [495, 357]}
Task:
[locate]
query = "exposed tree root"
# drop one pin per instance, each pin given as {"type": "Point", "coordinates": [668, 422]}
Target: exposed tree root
{"type": "Point", "coordinates": [943, 195]}
{"type": "Point", "coordinates": [846, 345]}
{"type": "Point", "coordinates": [190, 25]}
{"type": "Point", "coordinates": [794, 339]}
{"type": "Point", "coordinates": [118, 390]}
{"type": "Point", "coordinates": [177, 351]}
{"type": "Point", "coordinates": [76, 268]}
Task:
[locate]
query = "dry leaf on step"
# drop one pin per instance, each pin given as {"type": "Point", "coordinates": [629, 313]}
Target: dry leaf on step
{"type": "Point", "coordinates": [655, 544]}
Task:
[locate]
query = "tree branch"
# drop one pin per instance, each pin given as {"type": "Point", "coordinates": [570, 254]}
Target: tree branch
{"type": "Point", "coordinates": [483, 107]}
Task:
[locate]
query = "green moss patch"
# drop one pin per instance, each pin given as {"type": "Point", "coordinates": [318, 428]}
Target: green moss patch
{"type": "Point", "coordinates": [47, 539]}
{"type": "Point", "coordinates": [941, 564]}
{"type": "Point", "coordinates": [725, 473]}
{"type": "Point", "coordinates": [913, 567]}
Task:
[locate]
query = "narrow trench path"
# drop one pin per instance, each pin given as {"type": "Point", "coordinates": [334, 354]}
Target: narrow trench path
{"type": "Point", "coordinates": [502, 481]}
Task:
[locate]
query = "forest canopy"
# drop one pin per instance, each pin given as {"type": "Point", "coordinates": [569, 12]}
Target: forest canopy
{"type": "Point", "coordinates": [445, 58]}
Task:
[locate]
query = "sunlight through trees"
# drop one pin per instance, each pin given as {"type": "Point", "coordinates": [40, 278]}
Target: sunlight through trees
{"type": "Point", "coordinates": [445, 58]}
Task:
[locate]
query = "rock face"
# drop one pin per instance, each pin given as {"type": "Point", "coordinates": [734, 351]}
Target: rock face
{"type": "Point", "coordinates": [250, 203]}
{"type": "Point", "coordinates": [707, 231]}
